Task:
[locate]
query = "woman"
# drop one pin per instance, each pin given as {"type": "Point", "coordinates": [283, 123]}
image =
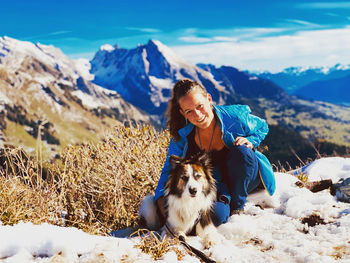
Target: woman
{"type": "Point", "coordinates": [229, 134]}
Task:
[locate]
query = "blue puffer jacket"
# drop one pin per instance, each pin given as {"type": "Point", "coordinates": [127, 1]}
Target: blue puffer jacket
{"type": "Point", "coordinates": [235, 121]}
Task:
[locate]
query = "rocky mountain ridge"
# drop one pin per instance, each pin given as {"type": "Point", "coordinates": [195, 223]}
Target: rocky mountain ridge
{"type": "Point", "coordinates": [323, 83]}
{"type": "Point", "coordinates": [145, 75]}
{"type": "Point", "coordinates": [331, 90]}
{"type": "Point", "coordinates": [42, 89]}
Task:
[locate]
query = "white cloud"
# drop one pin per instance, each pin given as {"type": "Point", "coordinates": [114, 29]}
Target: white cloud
{"type": "Point", "coordinates": [195, 39]}
{"type": "Point", "coordinates": [233, 34]}
{"type": "Point", "coordinates": [59, 32]}
{"type": "Point", "coordinates": [258, 30]}
{"type": "Point", "coordinates": [331, 14]}
{"type": "Point", "coordinates": [325, 5]}
{"type": "Point", "coordinates": [274, 53]}
{"type": "Point", "coordinates": [225, 39]}
{"type": "Point", "coordinates": [144, 30]}
{"type": "Point", "coordinates": [302, 22]}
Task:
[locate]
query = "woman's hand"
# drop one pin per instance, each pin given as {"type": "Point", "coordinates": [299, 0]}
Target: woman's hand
{"type": "Point", "coordinates": [243, 141]}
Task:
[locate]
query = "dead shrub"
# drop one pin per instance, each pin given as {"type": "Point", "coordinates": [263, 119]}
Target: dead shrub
{"type": "Point", "coordinates": [104, 184]}
{"type": "Point", "coordinates": [97, 188]}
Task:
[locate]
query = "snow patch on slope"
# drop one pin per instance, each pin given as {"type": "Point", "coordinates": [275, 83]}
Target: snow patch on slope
{"type": "Point", "coordinates": [319, 169]}
{"type": "Point", "coordinates": [161, 90]}
{"type": "Point", "coordinates": [83, 67]}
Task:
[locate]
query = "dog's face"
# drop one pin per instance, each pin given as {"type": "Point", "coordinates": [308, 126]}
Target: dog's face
{"type": "Point", "coordinates": [191, 177]}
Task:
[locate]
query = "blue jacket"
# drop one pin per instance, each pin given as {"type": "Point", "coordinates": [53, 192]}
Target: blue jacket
{"type": "Point", "coordinates": [235, 121]}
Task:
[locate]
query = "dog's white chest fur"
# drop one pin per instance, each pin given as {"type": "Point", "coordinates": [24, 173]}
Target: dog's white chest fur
{"type": "Point", "coordinates": [183, 212]}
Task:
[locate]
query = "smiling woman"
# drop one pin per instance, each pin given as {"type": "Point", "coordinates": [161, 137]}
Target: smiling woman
{"type": "Point", "coordinates": [229, 135]}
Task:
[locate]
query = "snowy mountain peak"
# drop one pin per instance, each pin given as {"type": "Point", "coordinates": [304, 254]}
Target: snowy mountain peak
{"type": "Point", "coordinates": [40, 82]}
{"type": "Point", "coordinates": [148, 71]}
{"type": "Point", "coordinates": [166, 52]}
{"type": "Point", "coordinates": [320, 70]}
{"type": "Point", "coordinates": [13, 54]}
{"type": "Point", "coordinates": [146, 74]}
{"type": "Point", "coordinates": [107, 47]}
{"type": "Point", "coordinates": [329, 83]}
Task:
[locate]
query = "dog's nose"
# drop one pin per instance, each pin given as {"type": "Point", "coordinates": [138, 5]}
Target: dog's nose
{"type": "Point", "coordinates": [193, 191]}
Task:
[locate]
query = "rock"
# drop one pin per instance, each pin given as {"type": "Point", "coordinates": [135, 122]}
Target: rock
{"type": "Point", "coordinates": [316, 186]}
{"type": "Point", "coordinates": [342, 190]}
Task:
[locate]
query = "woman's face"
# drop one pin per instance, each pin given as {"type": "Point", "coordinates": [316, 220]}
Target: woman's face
{"type": "Point", "coordinates": [196, 107]}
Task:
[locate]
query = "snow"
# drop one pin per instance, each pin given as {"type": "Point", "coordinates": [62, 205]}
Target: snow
{"type": "Point", "coordinates": [318, 170]}
{"type": "Point", "coordinates": [83, 67]}
{"type": "Point", "coordinates": [26, 242]}
{"type": "Point", "coordinates": [273, 234]}
{"type": "Point", "coordinates": [44, 79]}
{"type": "Point", "coordinates": [91, 101]}
{"type": "Point", "coordinates": [107, 47]}
{"type": "Point", "coordinates": [145, 61]}
{"type": "Point", "coordinates": [324, 70]}
{"type": "Point", "coordinates": [169, 54]}
{"type": "Point", "coordinates": [15, 51]}
{"type": "Point", "coordinates": [159, 85]}
{"type": "Point", "coordinates": [176, 62]}
{"type": "Point", "coordinates": [3, 98]}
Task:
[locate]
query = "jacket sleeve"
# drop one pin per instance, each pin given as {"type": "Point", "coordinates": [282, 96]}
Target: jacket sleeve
{"type": "Point", "coordinates": [254, 127]}
{"type": "Point", "coordinates": [173, 149]}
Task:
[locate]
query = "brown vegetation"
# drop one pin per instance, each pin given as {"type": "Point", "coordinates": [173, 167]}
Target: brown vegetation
{"type": "Point", "coordinates": [96, 188]}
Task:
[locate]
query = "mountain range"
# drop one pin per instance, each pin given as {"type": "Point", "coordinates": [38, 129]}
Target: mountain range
{"type": "Point", "coordinates": [68, 101]}
{"type": "Point", "coordinates": [150, 71]}
{"type": "Point", "coordinates": [331, 84]}
{"type": "Point", "coordinates": [41, 89]}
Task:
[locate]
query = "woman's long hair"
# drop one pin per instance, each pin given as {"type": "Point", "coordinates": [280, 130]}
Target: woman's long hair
{"type": "Point", "coordinates": [175, 119]}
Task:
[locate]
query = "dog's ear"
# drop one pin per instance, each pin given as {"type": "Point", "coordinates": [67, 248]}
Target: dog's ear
{"type": "Point", "coordinates": [175, 161]}
{"type": "Point", "coordinates": [203, 159]}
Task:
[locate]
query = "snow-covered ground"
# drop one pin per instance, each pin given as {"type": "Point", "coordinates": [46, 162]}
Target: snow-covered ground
{"type": "Point", "coordinates": [273, 234]}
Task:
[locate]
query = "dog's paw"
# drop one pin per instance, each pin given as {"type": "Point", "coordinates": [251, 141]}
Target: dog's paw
{"type": "Point", "coordinates": [166, 234]}
{"type": "Point", "coordinates": [212, 239]}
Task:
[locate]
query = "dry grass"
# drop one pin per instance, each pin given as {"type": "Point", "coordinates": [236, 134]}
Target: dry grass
{"type": "Point", "coordinates": [24, 195]}
{"type": "Point", "coordinates": [96, 188]}
{"type": "Point", "coordinates": [341, 252]}
{"type": "Point", "coordinates": [152, 244]}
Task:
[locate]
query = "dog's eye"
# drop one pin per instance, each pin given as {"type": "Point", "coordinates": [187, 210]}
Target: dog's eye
{"type": "Point", "coordinates": [197, 176]}
{"type": "Point", "coordinates": [185, 178]}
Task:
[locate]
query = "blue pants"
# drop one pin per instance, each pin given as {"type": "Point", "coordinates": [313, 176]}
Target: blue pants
{"type": "Point", "coordinates": [242, 178]}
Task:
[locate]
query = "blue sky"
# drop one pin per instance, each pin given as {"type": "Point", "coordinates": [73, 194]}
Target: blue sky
{"type": "Point", "coordinates": [248, 34]}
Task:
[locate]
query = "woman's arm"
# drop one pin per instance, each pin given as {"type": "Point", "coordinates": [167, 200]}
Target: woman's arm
{"type": "Point", "coordinates": [175, 148]}
{"type": "Point", "coordinates": [255, 128]}
{"type": "Point", "coordinates": [243, 141]}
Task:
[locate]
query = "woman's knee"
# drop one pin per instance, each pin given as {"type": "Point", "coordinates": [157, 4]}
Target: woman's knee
{"type": "Point", "coordinates": [148, 216]}
{"type": "Point", "coordinates": [220, 213]}
{"type": "Point", "coordinates": [241, 154]}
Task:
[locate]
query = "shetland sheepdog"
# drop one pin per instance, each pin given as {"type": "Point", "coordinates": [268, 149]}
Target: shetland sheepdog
{"type": "Point", "coordinates": [189, 195]}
